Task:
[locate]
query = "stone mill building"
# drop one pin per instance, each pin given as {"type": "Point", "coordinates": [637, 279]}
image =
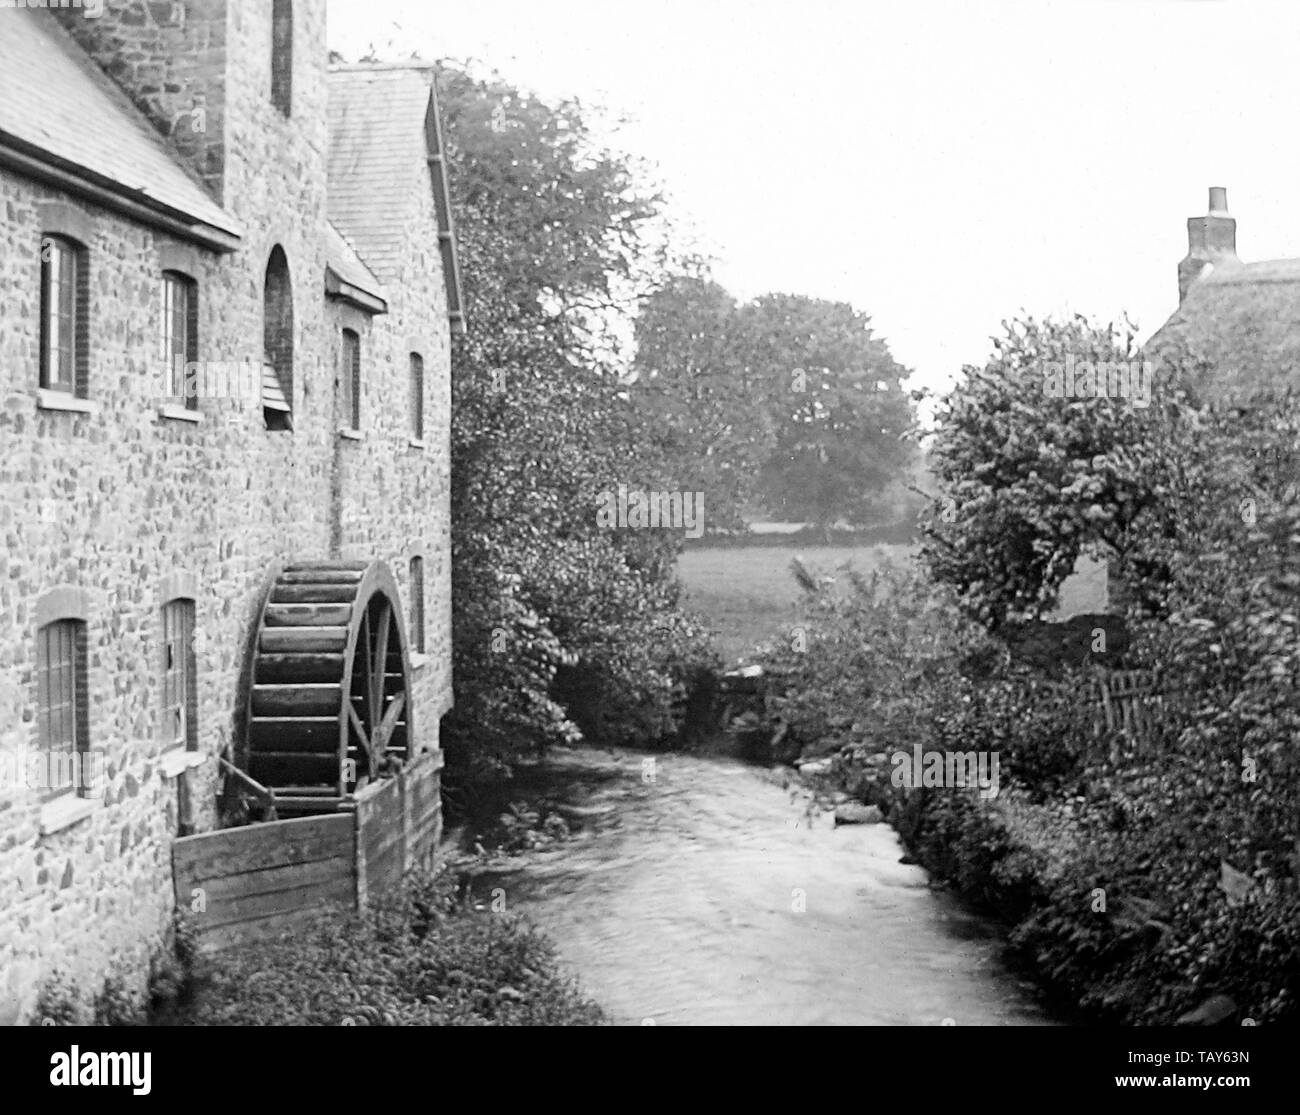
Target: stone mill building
{"type": "Point", "coordinates": [228, 285]}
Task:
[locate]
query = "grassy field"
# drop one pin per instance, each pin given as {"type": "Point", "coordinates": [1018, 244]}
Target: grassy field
{"type": "Point", "coordinates": [748, 593]}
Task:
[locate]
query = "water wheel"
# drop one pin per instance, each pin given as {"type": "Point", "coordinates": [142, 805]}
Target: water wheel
{"type": "Point", "coordinates": [329, 708]}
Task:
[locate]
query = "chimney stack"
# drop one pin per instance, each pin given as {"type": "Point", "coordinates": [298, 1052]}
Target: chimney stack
{"type": "Point", "coordinates": [1211, 241]}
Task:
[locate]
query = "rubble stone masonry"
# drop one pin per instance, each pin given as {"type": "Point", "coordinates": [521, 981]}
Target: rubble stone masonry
{"type": "Point", "coordinates": [130, 507]}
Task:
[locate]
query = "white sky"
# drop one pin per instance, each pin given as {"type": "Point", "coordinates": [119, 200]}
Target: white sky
{"type": "Point", "coordinates": [941, 165]}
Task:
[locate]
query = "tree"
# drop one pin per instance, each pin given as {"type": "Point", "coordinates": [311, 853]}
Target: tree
{"type": "Point", "coordinates": [1031, 476]}
{"type": "Point", "coordinates": [694, 392]}
{"type": "Point", "coordinates": [839, 414]}
{"type": "Point", "coordinates": [556, 235]}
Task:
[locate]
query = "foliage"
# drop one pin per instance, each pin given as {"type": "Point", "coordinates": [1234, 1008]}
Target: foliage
{"type": "Point", "coordinates": [705, 405]}
{"type": "Point", "coordinates": [1139, 878]}
{"type": "Point", "coordinates": [838, 411]}
{"type": "Point", "coordinates": [557, 238]}
{"type": "Point", "coordinates": [417, 960]}
{"type": "Point", "coordinates": [58, 1002]}
{"type": "Point", "coordinates": [787, 401]}
{"type": "Point", "coordinates": [1029, 481]}
{"type": "Point", "coordinates": [875, 662]}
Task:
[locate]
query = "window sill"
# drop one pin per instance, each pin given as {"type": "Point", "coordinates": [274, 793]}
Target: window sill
{"type": "Point", "coordinates": [62, 400]}
{"type": "Point", "coordinates": [419, 660]}
{"type": "Point", "coordinates": [64, 812]}
{"type": "Point", "coordinates": [179, 413]}
{"type": "Point", "coordinates": [351, 435]}
{"type": "Point", "coordinates": [177, 761]}
{"type": "Point", "coordinates": [417, 443]}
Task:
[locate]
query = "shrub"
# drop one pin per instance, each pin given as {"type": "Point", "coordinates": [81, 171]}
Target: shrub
{"type": "Point", "coordinates": [416, 960]}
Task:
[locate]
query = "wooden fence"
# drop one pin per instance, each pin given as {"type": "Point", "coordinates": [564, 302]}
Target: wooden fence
{"type": "Point", "coordinates": [243, 884]}
{"type": "Point", "coordinates": [1127, 705]}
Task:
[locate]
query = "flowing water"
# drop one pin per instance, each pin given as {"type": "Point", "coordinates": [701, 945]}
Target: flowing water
{"type": "Point", "coordinates": [703, 891]}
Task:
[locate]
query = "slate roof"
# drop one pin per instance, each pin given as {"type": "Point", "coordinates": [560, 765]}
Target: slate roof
{"type": "Point", "coordinates": [377, 146]}
{"type": "Point", "coordinates": [57, 107]}
{"type": "Point", "coordinates": [1245, 317]}
{"type": "Point", "coordinates": [342, 260]}
{"type": "Point", "coordinates": [383, 131]}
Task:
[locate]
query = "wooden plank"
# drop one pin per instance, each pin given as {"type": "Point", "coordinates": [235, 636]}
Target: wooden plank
{"type": "Point", "coordinates": [298, 640]}
{"type": "Point", "coordinates": [308, 615]}
{"type": "Point", "coordinates": [423, 809]}
{"type": "Point", "coordinates": [309, 666]}
{"type": "Point", "coordinates": [381, 839]}
{"type": "Point", "coordinates": [321, 577]}
{"type": "Point", "coordinates": [289, 733]}
{"type": "Point", "coordinates": [335, 885]}
{"type": "Point", "coordinates": [315, 593]}
{"type": "Point", "coordinates": [231, 851]}
{"type": "Point", "coordinates": [268, 927]}
{"type": "Point", "coordinates": [302, 768]}
{"type": "Point", "coordinates": [297, 700]}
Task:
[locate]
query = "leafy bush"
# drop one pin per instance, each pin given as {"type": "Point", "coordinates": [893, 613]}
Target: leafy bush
{"type": "Point", "coordinates": [416, 960]}
{"type": "Point", "coordinates": [58, 1002]}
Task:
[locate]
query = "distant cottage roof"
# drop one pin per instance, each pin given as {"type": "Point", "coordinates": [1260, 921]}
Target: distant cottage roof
{"type": "Point", "coordinates": [63, 121]}
{"type": "Point", "coordinates": [383, 126]}
{"type": "Point", "coordinates": [1242, 317]}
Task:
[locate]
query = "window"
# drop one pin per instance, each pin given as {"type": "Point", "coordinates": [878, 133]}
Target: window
{"type": "Point", "coordinates": [417, 396]}
{"type": "Point", "coordinates": [64, 296]}
{"type": "Point", "coordinates": [277, 343]}
{"type": "Point", "coordinates": [417, 604]}
{"type": "Point", "coordinates": [179, 333]}
{"type": "Point", "coordinates": [62, 723]}
{"type": "Point", "coordinates": [179, 676]}
{"type": "Point", "coordinates": [350, 376]}
{"type": "Point", "coordinates": [282, 55]}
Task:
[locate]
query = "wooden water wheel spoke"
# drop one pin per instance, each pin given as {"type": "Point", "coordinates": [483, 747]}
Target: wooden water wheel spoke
{"type": "Point", "coordinates": [330, 696]}
{"type": "Point", "coordinates": [362, 736]}
{"type": "Point", "coordinates": [379, 663]}
{"type": "Point", "coordinates": [386, 726]}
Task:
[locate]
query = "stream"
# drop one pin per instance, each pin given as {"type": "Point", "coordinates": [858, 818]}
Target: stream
{"type": "Point", "coordinates": [707, 891]}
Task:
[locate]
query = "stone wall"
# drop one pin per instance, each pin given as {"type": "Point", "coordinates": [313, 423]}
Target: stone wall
{"type": "Point", "coordinates": [124, 502]}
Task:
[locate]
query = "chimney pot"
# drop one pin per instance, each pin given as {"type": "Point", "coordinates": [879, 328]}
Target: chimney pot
{"type": "Point", "coordinates": [1218, 201]}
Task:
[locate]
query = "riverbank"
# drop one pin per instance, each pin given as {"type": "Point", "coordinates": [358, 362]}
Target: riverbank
{"type": "Point", "coordinates": [705, 891]}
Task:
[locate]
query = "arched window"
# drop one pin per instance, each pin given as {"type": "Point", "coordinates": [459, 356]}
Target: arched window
{"type": "Point", "coordinates": [282, 55]}
{"type": "Point", "coordinates": [277, 343]}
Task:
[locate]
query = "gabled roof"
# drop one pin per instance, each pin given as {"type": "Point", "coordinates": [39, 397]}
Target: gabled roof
{"type": "Point", "coordinates": [348, 278]}
{"type": "Point", "coordinates": [1245, 318]}
{"type": "Point", "coordinates": [63, 121]}
{"type": "Point", "coordinates": [384, 127]}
